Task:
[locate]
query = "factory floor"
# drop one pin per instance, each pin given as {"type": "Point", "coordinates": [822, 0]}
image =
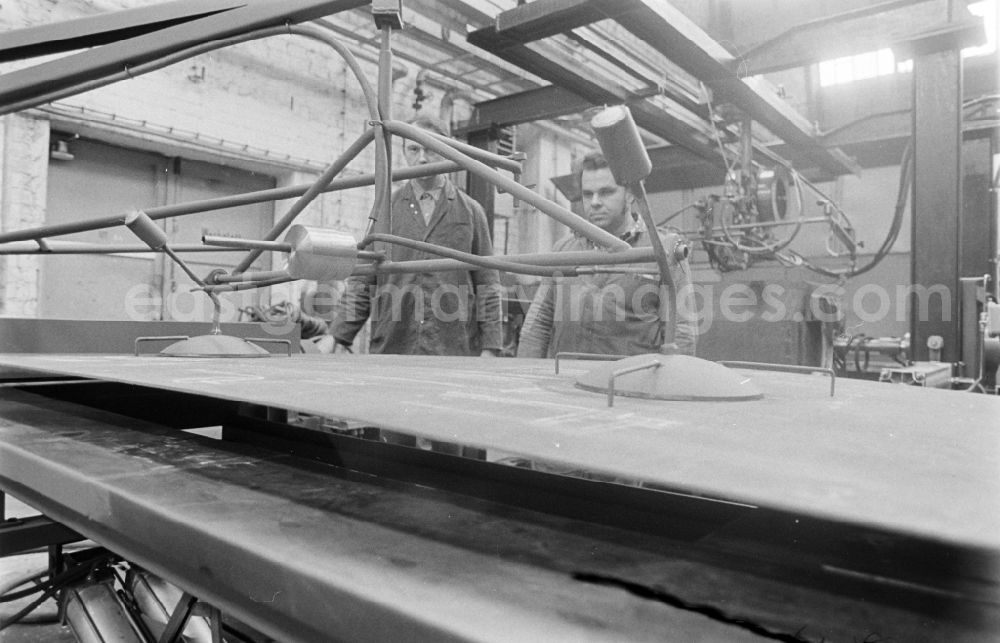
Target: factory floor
{"type": "Point", "coordinates": [42, 625]}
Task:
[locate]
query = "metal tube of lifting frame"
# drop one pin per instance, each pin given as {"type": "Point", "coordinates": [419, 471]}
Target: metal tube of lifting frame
{"type": "Point", "coordinates": [467, 257]}
{"type": "Point", "coordinates": [244, 277]}
{"type": "Point", "coordinates": [446, 265]}
{"type": "Point", "coordinates": [286, 220]}
{"type": "Point", "coordinates": [666, 279]}
{"type": "Point", "coordinates": [571, 260]}
{"type": "Point", "coordinates": [383, 151]}
{"type": "Point", "coordinates": [518, 191]}
{"type": "Point", "coordinates": [74, 248]}
{"type": "Point", "coordinates": [581, 257]}
{"type": "Point", "coordinates": [190, 52]}
{"type": "Point", "coordinates": [247, 285]}
{"type": "Point", "coordinates": [273, 246]}
{"type": "Point", "coordinates": [478, 153]}
{"type": "Point", "coordinates": [573, 263]}
{"type": "Point", "coordinates": [218, 203]}
{"type": "Point", "coordinates": [698, 235]}
{"type": "Point", "coordinates": [246, 244]}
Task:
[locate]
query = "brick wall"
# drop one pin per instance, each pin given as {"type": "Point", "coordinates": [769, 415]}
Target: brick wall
{"type": "Point", "coordinates": [23, 157]}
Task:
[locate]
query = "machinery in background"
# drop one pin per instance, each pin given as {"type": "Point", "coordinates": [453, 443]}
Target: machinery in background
{"type": "Point", "coordinates": [978, 371]}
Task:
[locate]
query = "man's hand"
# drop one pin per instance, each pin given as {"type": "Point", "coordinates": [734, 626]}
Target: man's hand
{"type": "Point", "coordinates": [322, 343]}
{"type": "Point", "coordinates": [489, 352]}
{"type": "Point", "coordinates": [340, 349]}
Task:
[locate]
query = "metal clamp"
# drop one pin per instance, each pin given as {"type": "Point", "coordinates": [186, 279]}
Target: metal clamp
{"type": "Point", "coordinates": [593, 357]}
{"type": "Point", "coordinates": [269, 340]}
{"type": "Point", "coordinates": [625, 371]}
{"type": "Point", "coordinates": [787, 368]}
{"type": "Point", "coordinates": [160, 338]}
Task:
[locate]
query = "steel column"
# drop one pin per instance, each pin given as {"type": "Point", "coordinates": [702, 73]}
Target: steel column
{"type": "Point", "coordinates": [937, 198]}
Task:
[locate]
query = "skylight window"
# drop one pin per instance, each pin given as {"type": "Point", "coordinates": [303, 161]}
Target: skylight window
{"type": "Point", "coordinates": [987, 10]}
{"type": "Point", "coordinates": [882, 62]}
{"type": "Point", "coordinates": [848, 68]}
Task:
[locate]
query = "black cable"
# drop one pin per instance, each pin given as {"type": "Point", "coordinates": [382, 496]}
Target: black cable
{"type": "Point", "coordinates": [28, 609]}
{"type": "Point", "coordinates": [52, 587]}
{"type": "Point", "coordinates": [6, 595]}
{"type": "Point", "coordinates": [905, 179]}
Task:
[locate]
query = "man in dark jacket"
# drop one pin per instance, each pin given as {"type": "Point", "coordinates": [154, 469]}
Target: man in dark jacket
{"type": "Point", "coordinates": [609, 313]}
{"type": "Point", "coordinates": [432, 313]}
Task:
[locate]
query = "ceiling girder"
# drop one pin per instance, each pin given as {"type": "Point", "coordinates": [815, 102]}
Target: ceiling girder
{"type": "Point", "coordinates": [848, 33]}
{"type": "Point", "coordinates": [567, 73]}
{"type": "Point", "coordinates": [534, 104]}
{"type": "Point", "coordinates": [673, 35]}
{"type": "Point", "coordinates": [101, 29]}
{"type": "Point", "coordinates": [116, 56]}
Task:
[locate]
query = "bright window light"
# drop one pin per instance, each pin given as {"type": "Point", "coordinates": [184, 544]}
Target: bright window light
{"type": "Point", "coordinates": [886, 61]}
{"type": "Point", "coordinates": [865, 65]}
{"type": "Point", "coordinates": [987, 10]}
{"type": "Point", "coordinates": [848, 68]}
{"type": "Point", "coordinates": [883, 62]}
{"type": "Point", "coordinates": [827, 73]}
{"type": "Point", "coordinates": [843, 70]}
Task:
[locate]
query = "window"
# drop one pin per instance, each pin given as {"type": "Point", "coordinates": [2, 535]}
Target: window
{"type": "Point", "coordinates": [882, 62]}
{"type": "Point", "coordinates": [867, 65]}
{"type": "Point", "coordinates": [987, 10]}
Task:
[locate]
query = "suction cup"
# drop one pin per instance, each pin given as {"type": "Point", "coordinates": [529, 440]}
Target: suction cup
{"type": "Point", "coordinates": [214, 346]}
{"type": "Point", "coordinates": [669, 377]}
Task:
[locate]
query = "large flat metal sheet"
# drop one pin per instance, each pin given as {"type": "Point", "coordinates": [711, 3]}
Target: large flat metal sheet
{"type": "Point", "coordinates": [319, 554]}
{"type": "Point", "coordinates": [919, 461]}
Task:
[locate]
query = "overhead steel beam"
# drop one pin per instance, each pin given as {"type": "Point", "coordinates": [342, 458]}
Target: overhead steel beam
{"type": "Point", "coordinates": [531, 105]}
{"type": "Point", "coordinates": [101, 29]}
{"type": "Point", "coordinates": [675, 36]}
{"type": "Point", "coordinates": [850, 32]}
{"type": "Point", "coordinates": [453, 14]}
{"type": "Point", "coordinates": [675, 168]}
{"type": "Point", "coordinates": [942, 37]}
{"type": "Point", "coordinates": [565, 72]}
{"type": "Point", "coordinates": [460, 49]}
{"type": "Point", "coordinates": [115, 56]}
{"type": "Point", "coordinates": [671, 33]}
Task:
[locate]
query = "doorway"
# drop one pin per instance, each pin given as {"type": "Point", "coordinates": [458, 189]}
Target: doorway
{"type": "Point", "coordinates": [100, 180]}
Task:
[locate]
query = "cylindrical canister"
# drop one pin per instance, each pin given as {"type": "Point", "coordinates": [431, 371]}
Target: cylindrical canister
{"type": "Point", "coordinates": [146, 229]}
{"type": "Point", "coordinates": [320, 254]}
{"type": "Point", "coordinates": [619, 138]}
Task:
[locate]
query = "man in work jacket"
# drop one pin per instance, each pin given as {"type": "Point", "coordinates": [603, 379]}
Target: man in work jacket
{"type": "Point", "coordinates": [430, 313]}
{"type": "Point", "coordinates": [609, 313]}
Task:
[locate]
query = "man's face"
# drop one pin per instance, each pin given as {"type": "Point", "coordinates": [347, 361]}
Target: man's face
{"type": "Point", "coordinates": [416, 154]}
{"type": "Point", "coordinates": [605, 203]}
